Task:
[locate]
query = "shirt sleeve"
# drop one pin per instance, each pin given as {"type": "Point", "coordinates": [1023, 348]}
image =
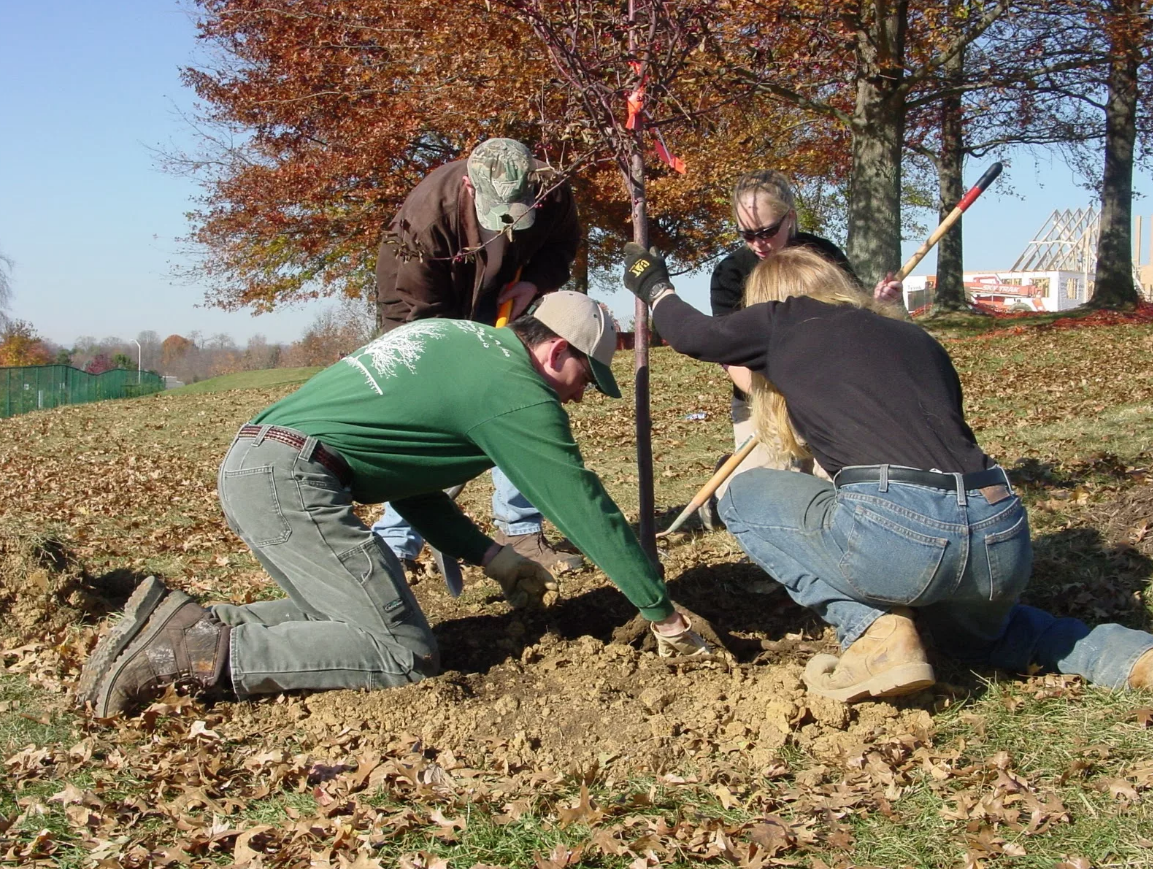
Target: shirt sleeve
{"type": "Point", "coordinates": [439, 521]}
{"type": "Point", "coordinates": [832, 253]}
{"type": "Point", "coordinates": [534, 446]}
{"type": "Point", "coordinates": [727, 287]}
{"type": "Point", "coordinates": [418, 291]}
{"type": "Point", "coordinates": [741, 338]}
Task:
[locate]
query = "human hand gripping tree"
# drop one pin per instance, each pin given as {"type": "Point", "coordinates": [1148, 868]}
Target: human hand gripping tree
{"type": "Point", "coordinates": [626, 75]}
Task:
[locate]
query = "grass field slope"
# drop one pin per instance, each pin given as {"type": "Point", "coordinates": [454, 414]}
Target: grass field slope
{"type": "Point", "coordinates": [248, 380]}
{"type": "Point", "coordinates": [556, 739]}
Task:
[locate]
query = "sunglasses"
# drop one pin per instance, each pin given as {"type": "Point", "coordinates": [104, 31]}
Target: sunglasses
{"type": "Point", "coordinates": [583, 360]}
{"type": "Point", "coordinates": [765, 232]}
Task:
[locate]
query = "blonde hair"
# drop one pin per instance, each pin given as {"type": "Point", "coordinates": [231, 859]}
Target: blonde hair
{"type": "Point", "coordinates": [768, 186]}
{"type": "Point", "coordinates": [797, 271]}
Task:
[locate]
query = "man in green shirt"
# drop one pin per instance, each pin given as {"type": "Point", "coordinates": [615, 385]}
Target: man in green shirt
{"type": "Point", "coordinates": [428, 405]}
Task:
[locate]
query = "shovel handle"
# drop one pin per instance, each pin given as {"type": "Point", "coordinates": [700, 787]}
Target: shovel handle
{"type": "Point", "coordinates": [706, 492]}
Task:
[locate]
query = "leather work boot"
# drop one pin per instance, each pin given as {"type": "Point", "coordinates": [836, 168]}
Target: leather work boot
{"type": "Point", "coordinates": [181, 642]}
{"type": "Point", "coordinates": [887, 660]}
{"type": "Point", "coordinates": [1141, 676]}
{"type": "Point", "coordinates": [137, 611]}
{"type": "Point", "coordinates": [534, 547]}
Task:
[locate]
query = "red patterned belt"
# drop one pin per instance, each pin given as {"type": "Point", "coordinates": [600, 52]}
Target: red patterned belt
{"type": "Point", "coordinates": [320, 454]}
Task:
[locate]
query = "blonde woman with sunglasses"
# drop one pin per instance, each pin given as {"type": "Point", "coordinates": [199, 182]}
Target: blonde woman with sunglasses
{"type": "Point", "coordinates": [764, 210]}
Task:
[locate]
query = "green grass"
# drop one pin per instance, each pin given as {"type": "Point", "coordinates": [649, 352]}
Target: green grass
{"type": "Point", "coordinates": [247, 380]}
{"type": "Point", "coordinates": [1123, 430]}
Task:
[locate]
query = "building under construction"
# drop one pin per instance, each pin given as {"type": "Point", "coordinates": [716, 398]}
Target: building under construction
{"type": "Point", "coordinates": [1054, 272]}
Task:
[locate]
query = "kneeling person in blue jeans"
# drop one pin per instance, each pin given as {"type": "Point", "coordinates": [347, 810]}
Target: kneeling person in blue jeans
{"type": "Point", "coordinates": [919, 529]}
{"type": "Point", "coordinates": [426, 406]}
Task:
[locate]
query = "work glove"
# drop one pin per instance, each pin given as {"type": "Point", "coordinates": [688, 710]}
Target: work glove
{"type": "Point", "coordinates": [645, 272]}
{"type": "Point", "coordinates": [524, 582]}
{"type": "Point", "coordinates": [686, 644]}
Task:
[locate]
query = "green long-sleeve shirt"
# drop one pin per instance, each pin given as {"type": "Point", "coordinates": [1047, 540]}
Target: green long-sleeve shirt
{"type": "Point", "coordinates": [435, 403]}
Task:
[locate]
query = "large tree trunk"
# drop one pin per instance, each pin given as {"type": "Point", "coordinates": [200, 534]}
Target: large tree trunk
{"type": "Point", "coordinates": [950, 293]}
{"type": "Point", "coordinates": [1114, 279]}
{"type": "Point", "coordinates": [878, 127]}
{"type": "Point", "coordinates": [634, 178]}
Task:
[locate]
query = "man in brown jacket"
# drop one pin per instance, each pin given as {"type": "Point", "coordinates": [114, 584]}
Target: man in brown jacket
{"type": "Point", "coordinates": [473, 234]}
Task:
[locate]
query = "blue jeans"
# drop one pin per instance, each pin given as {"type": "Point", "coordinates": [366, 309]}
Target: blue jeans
{"type": "Point", "coordinates": [511, 510]}
{"type": "Point", "coordinates": [853, 553]}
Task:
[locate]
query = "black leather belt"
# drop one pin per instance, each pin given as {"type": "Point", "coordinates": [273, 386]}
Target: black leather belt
{"type": "Point", "coordinates": [932, 479]}
{"type": "Point", "coordinates": [320, 454]}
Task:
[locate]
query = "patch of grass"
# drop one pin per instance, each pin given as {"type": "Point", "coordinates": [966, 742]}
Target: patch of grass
{"type": "Point", "coordinates": [247, 380]}
{"type": "Point", "coordinates": [28, 716]}
{"type": "Point", "coordinates": [1123, 430]}
{"type": "Point", "coordinates": [276, 810]}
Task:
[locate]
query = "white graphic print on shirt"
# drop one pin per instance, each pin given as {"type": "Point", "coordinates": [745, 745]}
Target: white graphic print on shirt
{"type": "Point", "coordinates": [403, 347]}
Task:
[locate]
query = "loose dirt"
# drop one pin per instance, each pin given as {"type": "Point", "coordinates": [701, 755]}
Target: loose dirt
{"type": "Point", "coordinates": [543, 691]}
{"type": "Point", "coordinates": [567, 689]}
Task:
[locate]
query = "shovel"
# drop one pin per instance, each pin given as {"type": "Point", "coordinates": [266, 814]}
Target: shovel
{"type": "Point", "coordinates": [722, 474]}
{"type": "Point", "coordinates": [448, 566]}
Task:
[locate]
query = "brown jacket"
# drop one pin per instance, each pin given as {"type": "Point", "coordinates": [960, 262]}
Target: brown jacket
{"type": "Point", "coordinates": [438, 222]}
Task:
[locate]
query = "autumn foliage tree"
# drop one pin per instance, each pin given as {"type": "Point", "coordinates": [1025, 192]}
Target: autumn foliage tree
{"type": "Point", "coordinates": [21, 345]}
{"type": "Point", "coordinates": [860, 63]}
{"type": "Point", "coordinates": [173, 349]}
{"type": "Point", "coordinates": [319, 117]}
{"type": "Point", "coordinates": [324, 114]}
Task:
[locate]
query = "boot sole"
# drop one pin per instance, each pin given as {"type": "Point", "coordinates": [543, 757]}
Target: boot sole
{"type": "Point", "coordinates": [160, 617]}
{"type": "Point", "coordinates": [144, 600]}
{"type": "Point", "coordinates": [894, 682]}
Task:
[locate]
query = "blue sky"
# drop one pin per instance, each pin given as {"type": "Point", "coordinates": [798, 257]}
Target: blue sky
{"type": "Point", "coordinates": [88, 91]}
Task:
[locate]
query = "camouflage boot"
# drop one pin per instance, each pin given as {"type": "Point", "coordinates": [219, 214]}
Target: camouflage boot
{"type": "Point", "coordinates": [181, 642]}
{"type": "Point", "coordinates": [137, 612]}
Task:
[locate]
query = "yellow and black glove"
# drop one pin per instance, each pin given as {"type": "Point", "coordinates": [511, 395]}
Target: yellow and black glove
{"type": "Point", "coordinates": [645, 272]}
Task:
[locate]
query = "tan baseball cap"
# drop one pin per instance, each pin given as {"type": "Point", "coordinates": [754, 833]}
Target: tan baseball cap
{"type": "Point", "coordinates": [586, 325]}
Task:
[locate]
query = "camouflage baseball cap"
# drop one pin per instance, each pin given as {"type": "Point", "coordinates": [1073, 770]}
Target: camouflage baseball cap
{"type": "Point", "coordinates": [500, 171]}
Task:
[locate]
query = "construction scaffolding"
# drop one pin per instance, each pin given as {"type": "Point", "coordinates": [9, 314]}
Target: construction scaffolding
{"type": "Point", "coordinates": [1067, 241]}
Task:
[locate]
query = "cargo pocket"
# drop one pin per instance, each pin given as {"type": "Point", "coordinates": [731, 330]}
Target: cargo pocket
{"type": "Point", "coordinates": [367, 565]}
{"type": "Point", "coordinates": [888, 563]}
{"type": "Point", "coordinates": [249, 497]}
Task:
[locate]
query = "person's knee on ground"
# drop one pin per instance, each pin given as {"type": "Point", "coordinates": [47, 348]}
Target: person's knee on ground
{"type": "Point", "coordinates": [887, 660]}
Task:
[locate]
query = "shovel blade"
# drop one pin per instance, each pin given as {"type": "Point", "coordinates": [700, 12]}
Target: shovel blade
{"type": "Point", "coordinates": [449, 568]}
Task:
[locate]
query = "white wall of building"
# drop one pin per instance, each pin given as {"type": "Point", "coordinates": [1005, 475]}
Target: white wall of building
{"type": "Point", "coordinates": [1032, 291]}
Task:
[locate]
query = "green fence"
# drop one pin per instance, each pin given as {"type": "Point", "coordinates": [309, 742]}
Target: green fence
{"type": "Point", "coordinates": [43, 386]}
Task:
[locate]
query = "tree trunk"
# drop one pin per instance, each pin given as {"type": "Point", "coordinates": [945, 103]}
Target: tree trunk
{"type": "Point", "coordinates": [878, 128]}
{"type": "Point", "coordinates": [1114, 287]}
{"type": "Point", "coordinates": [580, 266]}
{"type": "Point", "coordinates": [950, 292]}
{"type": "Point", "coordinates": [634, 177]}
